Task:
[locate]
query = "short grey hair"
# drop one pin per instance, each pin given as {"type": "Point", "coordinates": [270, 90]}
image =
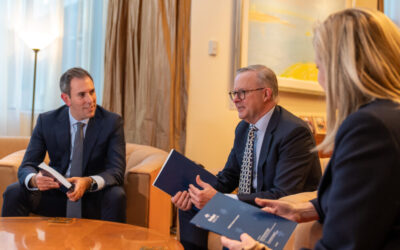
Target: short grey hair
{"type": "Point", "coordinates": [65, 80]}
{"type": "Point", "coordinates": [266, 77]}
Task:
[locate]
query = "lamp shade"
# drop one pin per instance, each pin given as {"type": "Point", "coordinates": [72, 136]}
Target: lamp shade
{"type": "Point", "coordinates": [37, 40]}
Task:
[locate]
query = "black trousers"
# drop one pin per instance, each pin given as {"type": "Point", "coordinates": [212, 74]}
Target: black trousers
{"type": "Point", "coordinates": [191, 237]}
{"type": "Point", "coordinates": [107, 204]}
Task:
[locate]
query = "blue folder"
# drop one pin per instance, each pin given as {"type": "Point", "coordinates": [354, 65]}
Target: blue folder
{"type": "Point", "coordinates": [178, 172]}
{"type": "Point", "coordinates": [230, 217]}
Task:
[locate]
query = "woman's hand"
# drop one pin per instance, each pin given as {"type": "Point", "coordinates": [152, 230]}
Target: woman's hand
{"type": "Point", "coordinates": [298, 212]}
{"type": "Point", "coordinates": [246, 242]}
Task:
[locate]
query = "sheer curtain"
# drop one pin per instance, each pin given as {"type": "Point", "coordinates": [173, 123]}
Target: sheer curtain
{"type": "Point", "coordinates": [76, 28]}
{"type": "Point", "coordinates": [392, 10]}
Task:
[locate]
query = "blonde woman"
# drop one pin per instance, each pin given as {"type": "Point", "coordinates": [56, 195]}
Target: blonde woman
{"type": "Point", "coordinates": [358, 56]}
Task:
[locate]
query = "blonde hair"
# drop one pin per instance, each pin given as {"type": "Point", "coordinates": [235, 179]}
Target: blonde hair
{"type": "Point", "coordinates": [360, 51]}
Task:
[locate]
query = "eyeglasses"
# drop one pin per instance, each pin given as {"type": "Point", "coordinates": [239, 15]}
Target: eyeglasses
{"type": "Point", "coordinates": [241, 94]}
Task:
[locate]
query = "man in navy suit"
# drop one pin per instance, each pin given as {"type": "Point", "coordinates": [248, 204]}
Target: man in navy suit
{"type": "Point", "coordinates": [99, 189]}
{"type": "Point", "coordinates": [282, 162]}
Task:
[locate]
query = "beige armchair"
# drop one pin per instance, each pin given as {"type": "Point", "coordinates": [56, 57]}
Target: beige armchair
{"type": "Point", "coordinates": [306, 234]}
{"type": "Point", "coordinates": [10, 158]}
{"type": "Point", "coordinates": [146, 205]}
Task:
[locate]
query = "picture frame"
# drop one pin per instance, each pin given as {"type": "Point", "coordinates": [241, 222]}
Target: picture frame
{"type": "Point", "coordinates": [310, 122]}
{"type": "Point", "coordinates": [320, 124]}
{"type": "Point", "coordinates": [241, 51]}
{"type": "Point", "coordinates": [316, 123]}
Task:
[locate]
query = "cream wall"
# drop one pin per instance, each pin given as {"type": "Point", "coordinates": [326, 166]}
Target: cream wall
{"type": "Point", "coordinates": [210, 121]}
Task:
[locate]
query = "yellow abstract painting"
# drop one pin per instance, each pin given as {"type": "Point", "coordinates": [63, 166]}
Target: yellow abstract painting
{"type": "Point", "coordinates": [280, 34]}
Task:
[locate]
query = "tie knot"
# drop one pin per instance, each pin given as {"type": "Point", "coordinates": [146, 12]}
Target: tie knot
{"type": "Point", "coordinates": [253, 127]}
{"type": "Point", "coordinates": [79, 125]}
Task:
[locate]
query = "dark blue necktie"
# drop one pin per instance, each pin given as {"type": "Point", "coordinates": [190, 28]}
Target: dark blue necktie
{"type": "Point", "coordinates": [74, 209]}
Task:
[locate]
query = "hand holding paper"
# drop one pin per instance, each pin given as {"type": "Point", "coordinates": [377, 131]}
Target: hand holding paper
{"type": "Point", "coordinates": [49, 178]}
{"type": "Point", "coordinates": [178, 172]}
{"type": "Point", "coordinates": [200, 197]}
{"type": "Point", "coordinates": [297, 212]}
{"type": "Point", "coordinates": [44, 182]}
{"type": "Point", "coordinates": [81, 184]}
{"type": "Point", "coordinates": [182, 201]}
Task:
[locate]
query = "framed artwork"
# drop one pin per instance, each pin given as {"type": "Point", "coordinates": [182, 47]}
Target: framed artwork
{"type": "Point", "coordinates": [278, 34]}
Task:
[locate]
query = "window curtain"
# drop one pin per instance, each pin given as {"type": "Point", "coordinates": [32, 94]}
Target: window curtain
{"type": "Point", "coordinates": [392, 10]}
{"type": "Point", "coordinates": [147, 69]}
{"type": "Point", "coordinates": [76, 31]}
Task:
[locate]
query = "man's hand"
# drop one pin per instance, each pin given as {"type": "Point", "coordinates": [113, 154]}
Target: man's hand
{"type": "Point", "coordinates": [245, 243]}
{"type": "Point", "coordinates": [200, 197]}
{"type": "Point", "coordinates": [298, 212]}
{"type": "Point", "coordinates": [182, 200]}
{"type": "Point", "coordinates": [81, 185]}
{"type": "Point", "coordinates": [43, 183]}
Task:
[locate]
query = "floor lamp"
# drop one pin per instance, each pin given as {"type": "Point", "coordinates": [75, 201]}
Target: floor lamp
{"type": "Point", "coordinates": [34, 89]}
{"type": "Point", "coordinates": [36, 41]}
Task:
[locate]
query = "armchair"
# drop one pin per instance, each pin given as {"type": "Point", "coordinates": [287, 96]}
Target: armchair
{"type": "Point", "coordinates": [306, 234]}
{"type": "Point", "coordinates": [146, 205]}
{"type": "Point", "coordinates": [10, 159]}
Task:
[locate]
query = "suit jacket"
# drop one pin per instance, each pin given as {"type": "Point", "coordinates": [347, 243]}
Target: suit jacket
{"type": "Point", "coordinates": [285, 166]}
{"type": "Point", "coordinates": [103, 145]}
{"type": "Point", "coordinates": [359, 196]}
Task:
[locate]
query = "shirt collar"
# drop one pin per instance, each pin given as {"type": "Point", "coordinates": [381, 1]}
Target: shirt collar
{"type": "Point", "coordinates": [262, 123]}
{"type": "Point", "coordinates": [73, 121]}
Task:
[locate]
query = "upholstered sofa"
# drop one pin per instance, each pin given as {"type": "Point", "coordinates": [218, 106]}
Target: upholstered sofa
{"type": "Point", "coordinates": [146, 205]}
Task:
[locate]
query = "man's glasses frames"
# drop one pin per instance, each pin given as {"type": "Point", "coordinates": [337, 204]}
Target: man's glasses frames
{"type": "Point", "coordinates": [241, 94]}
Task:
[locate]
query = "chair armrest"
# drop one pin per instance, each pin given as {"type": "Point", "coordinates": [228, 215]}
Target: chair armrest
{"type": "Point", "coordinates": [147, 206]}
{"type": "Point", "coordinates": [300, 197]}
{"type": "Point", "coordinates": [149, 165]}
{"type": "Point", "coordinates": [8, 170]}
{"type": "Point", "coordinates": [306, 234]}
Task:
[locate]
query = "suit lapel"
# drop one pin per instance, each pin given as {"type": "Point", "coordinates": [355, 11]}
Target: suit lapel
{"type": "Point", "coordinates": [63, 137]}
{"type": "Point", "coordinates": [93, 129]}
{"type": "Point", "coordinates": [273, 123]}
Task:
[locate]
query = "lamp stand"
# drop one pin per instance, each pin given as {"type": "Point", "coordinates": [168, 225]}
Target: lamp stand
{"type": "Point", "coordinates": [34, 90]}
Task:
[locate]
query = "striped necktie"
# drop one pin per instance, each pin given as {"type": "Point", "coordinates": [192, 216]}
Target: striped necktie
{"type": "Point", "coordinates": [246, 169]}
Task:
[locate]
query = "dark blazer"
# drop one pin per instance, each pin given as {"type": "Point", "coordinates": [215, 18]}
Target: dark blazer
{"type": "Point", "coordinates": [359, 196]}
{"type": "Point", "coordinates": [285, 166]}
{"type": "Point", "coordinates": [103, 146]}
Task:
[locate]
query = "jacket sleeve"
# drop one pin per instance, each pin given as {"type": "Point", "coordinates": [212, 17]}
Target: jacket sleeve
{"type": "Point", "coordinates": [115, 162]}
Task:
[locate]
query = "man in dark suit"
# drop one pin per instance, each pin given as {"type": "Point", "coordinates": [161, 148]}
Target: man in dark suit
{"type": "Point", "coordinates": [271, 155]}
{"type": "Point", "coordinates": [84, 143]}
